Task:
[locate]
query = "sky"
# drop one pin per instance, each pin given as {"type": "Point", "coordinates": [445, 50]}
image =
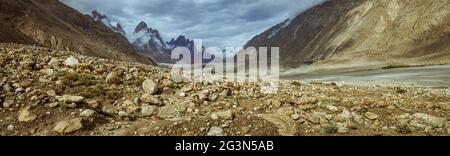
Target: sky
{"type": "Point", "coordinates": [219, 23]}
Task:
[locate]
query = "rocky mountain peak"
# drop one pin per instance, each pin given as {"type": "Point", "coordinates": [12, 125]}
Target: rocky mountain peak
{"type": "Point", "coordinates": [181, 41]}
{"type": "Point", "coordinates": [97, 16]}
{"type": "Point", "coordinates": [115, 26]}
{"type": "Point", "coordinates": [141, 26]}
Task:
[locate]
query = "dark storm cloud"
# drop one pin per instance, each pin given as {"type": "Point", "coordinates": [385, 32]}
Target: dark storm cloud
{"type": "Point", "coordinates": [218, 22]}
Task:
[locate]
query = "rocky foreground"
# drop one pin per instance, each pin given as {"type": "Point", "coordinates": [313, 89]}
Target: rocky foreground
{"type": "Point", "coordinates": [51, 92]}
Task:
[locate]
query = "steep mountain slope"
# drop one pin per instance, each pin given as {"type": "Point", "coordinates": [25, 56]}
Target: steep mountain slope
{"type": "Point", "coordinates": [364, 34]}
{"type": "Point", "coordinates": [52, 24]}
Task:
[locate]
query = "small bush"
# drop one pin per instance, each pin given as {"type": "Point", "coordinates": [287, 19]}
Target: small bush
{"type": "Point", "coordinates": [76, 79]}
{"type": "Point", "coordinates": [93, 91]}
{"type": "Point", "coordinates": [113, 94]}
{"type": "Point", "coordinates": [329, 130]}
{"type": "Point", "coordinates": [138, 81]}
{"type": "Point", "coordinates": [403, 129]}
{"type": "Point", "coordinates": [400, 90]}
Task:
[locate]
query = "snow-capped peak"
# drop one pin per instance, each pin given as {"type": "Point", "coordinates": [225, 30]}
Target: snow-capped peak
{"type": "Point", "coordinates": [145, 36]}
{"type": "Point", "coordinates": [115, 26]}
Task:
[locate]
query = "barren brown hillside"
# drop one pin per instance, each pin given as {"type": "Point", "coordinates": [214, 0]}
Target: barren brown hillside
{"type": "Point", "coordinates": [53, 24]}
{"type": "Point", "coordinates": [361, 34]}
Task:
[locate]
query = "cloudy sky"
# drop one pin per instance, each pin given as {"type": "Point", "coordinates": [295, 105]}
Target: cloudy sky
{"type": "Point", "coordinates": [221, 23]}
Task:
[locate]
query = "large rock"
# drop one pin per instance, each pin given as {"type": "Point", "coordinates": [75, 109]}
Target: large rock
{"type": "Point", "coordinates": [129, 106]}
{"type": "Point", "coordinates": [53, 62]}
{"type": "Point", "coordinates": [371, 116]}
{"type": "Point", "coordinates": [70, 99]}
{"type": "Point", "coordinates": [150, 86]}
{"type": "Point", "coordinates": [215, 131]}
{"type": "Point", "coordinates": [27, 63]}
{"type": "Point", "coordinates": [110, 109]}
{"type": "Point", "coordinates": [8, 103]}
{"type": "Point", "coordinates": [87, 113]}
{"type": "Point", "coordinates": [7, 87]}
{"type": "Point", "coordinates": [68, 126]}
{"type": "Point", "coordinates": [149, 110]}
{"type": "Point", "coordinates": [422, 120]}
{"type": "Point", "coordinates": [113, 78]}
{"type": "Point", "coordinates": [71, 61]}
{"type": "Point", "coordinates": [227, 114]}
{"type": "Point", "coordinates": [26, 116]}
{"type": "Point", "coordinates": [171, 112]}
{"type": "Point", "coordinates": [150, 99]}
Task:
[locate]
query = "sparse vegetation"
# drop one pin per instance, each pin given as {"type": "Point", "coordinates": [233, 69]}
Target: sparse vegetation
{"type": "Point", "coordinates": [331, 129]}
{"type": "Point", "coordinates": [403, 129]}
{"type": "Point", "coordinates": [400, 90]}
{"type": "Point", "coordinates": [76, 79]}
{"type": "Point", "coordinates": [92, 91]}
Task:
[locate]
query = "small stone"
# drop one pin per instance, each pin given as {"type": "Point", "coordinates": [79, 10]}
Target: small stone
{"type": "Point", "coordinates": [275, 103]}
{"type": "Point", "coordinates": [26, 116]}
{"type": "Point", "coordinates": [149, 110]}
{"type": "Point", "coordinates": [27, 63]}
{"type": "Point", "coordinates": [182, 94]}
{"type": "Point", "coordinates": [47, 71]}
{"type": "Point", "coordinates": [20, 89]}
{"type": "Point", "coordinates": [285, 111]}
{"type": "Point", "coordinates": [202, 96]}
{"type": "Point", "coordinates": [245, 129]}
{"type": "Point", "coordinates": [110, 109]}
{"type": "Point", "coordinates": [8, 103]}
{"type": "Point", "coordinates": [113, 78]}
{"type": "Point", "coordinates": [342, 128]}
{"type": "Point", "coordinates": [123, 114]}
{"type": "Point", "coordinates": [53, 105]}
{"type": "Point", "coordinates": [87, 113]}
{"type": "Point", "coordinates": [332, 108]}
{"type": "Point", "coordinates": [70, 99]}
{"type": "Point", "coordinates": [214, 116]}
{"type": "Point", "coordinates": [228, 114]}
{"type": "Point", "coordinates": [150, 86]}
{"type": "Point", "coordinates": [7, 87]}
{"type": "Point", "coordinates": [130, 106]}
{"type": "Point", "coordinates": [53, 62]}
{"type": "Point", "coordinates": [168, 91]}
{"type": "Point", "coordinates": [68, 126]}
{"type": "Point", "coordinates": [213, 97]}
{"type": "Point", "coordinates": [295, 116]}
{"type": "Point", "coordinates": [215, 131]}
{"type": "Point", "coordinates": [371, 116]}
{"type": "Point", "coordinates": [70, 105]}
{"type": "Point", "coordinates": [345, 115]}
{"type": "Point", "coordinates": [149, 98]}
{"type": "Point", "coordinates": [71, 61]}
{"type": "Point", "coordinates": [92, 103]}
{"type": "Point", "coordinates": [51, 93]}
{"type": "Point", "coordinates": [10, 127]}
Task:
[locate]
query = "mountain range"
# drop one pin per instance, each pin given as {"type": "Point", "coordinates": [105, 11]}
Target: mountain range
{"type": "Point", "coordinates": [337, 34]}
{"type": "Point", "coordinates": [146, 40]}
